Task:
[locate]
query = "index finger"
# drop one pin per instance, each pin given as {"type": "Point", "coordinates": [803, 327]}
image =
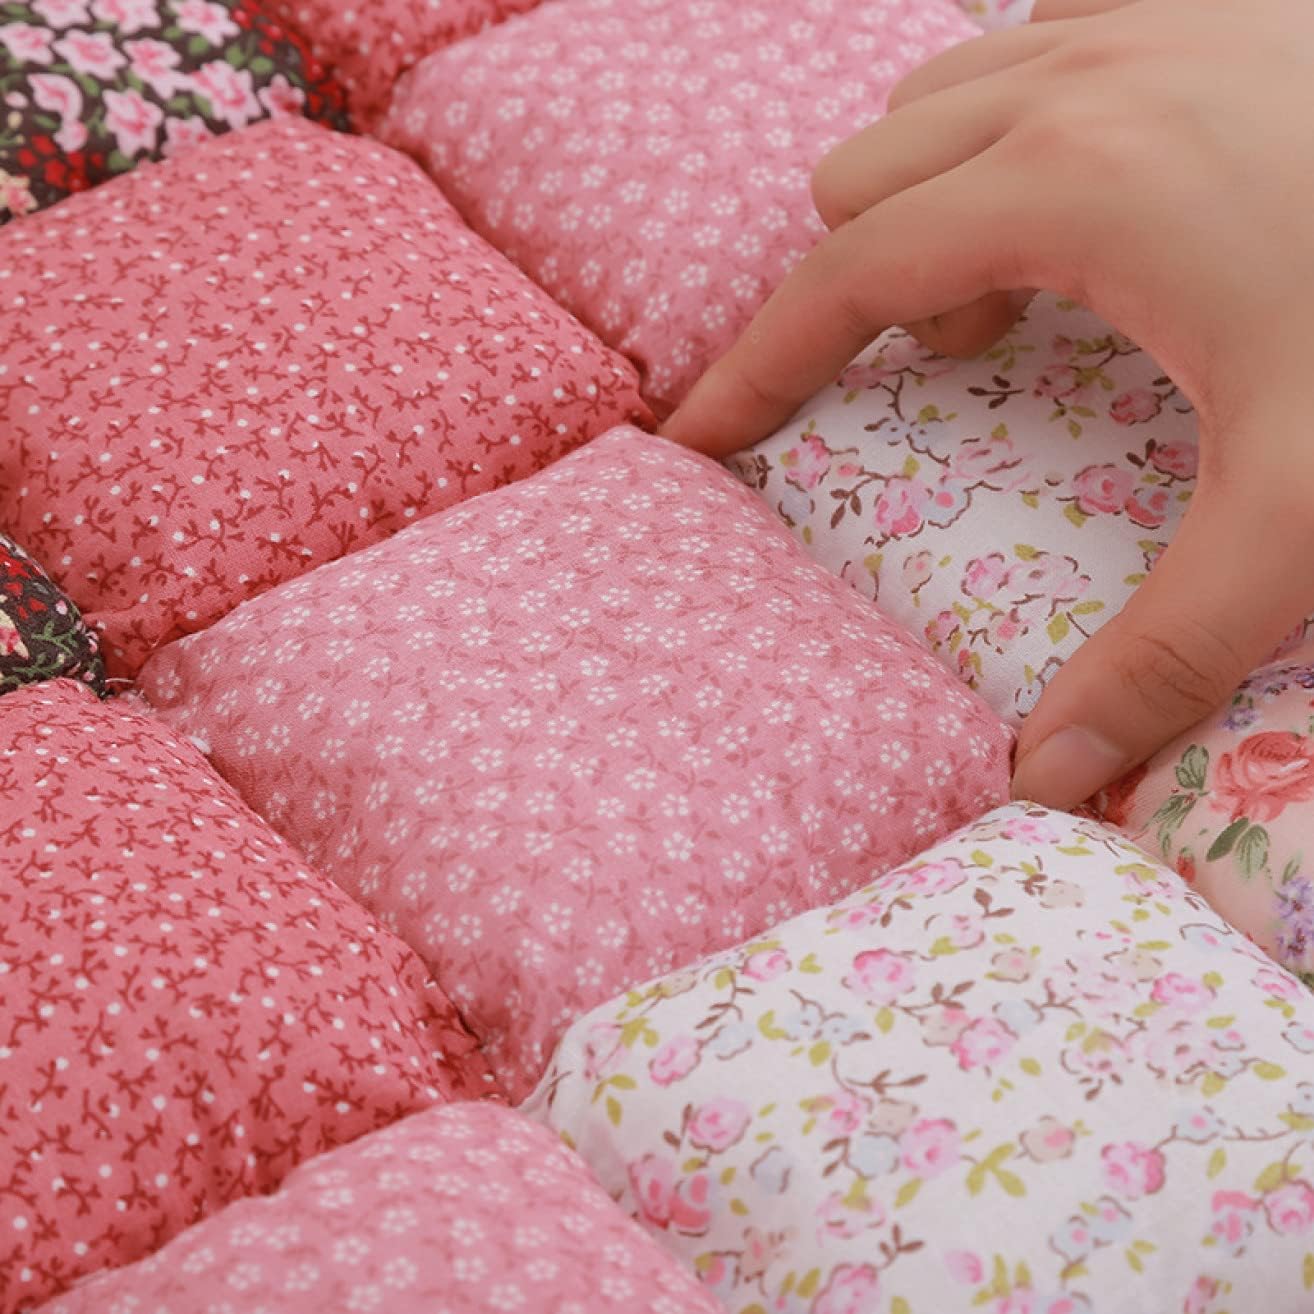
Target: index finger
{"type": "Point", "coordinates": [939, 245]}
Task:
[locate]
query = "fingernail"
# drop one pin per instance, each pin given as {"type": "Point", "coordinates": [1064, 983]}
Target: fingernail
{"type": "Point", "coordinates": [1067, 768]}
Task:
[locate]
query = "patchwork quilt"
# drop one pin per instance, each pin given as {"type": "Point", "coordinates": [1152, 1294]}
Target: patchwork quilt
{"type": "Point", "coordinates": [463, 852]}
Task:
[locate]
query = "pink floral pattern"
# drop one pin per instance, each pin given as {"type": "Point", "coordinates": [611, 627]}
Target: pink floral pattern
{"type": "Point", "coordinates": [1230, 805]}
{"type": "Point", "coordinates": [648, 161]}
{"type": "Point", "coordinates": [1081, 1086]}
{"type": "Point", "coordinates": [576, 733]}
{"type": "Point", "coordinates": [368, 44]}
{"type": "Point", "coordinates": [1002, 508]}
{"type": "Point", "coordinates": [189, 1011]}
{"type": "Point", "coordinates": [468, 1209]}
{"type": "Point", "coordinates": [326, 354]}
{"type": "Point", "coordinates": [583, 730]}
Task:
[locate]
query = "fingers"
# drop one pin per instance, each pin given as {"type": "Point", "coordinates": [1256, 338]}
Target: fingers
{"type": "Point", "coordinates": [977, 58]}
{"type": "Point", "coordinates": [926, 137]}
{"type": "Point", "coordinates": [1047, 11]}
{"type": "Point", "coordinates": [969, 330]}
{"type": "Point", "coordinates": [1208, 614]}
{"type": "Point", "coordinates": [942, 244]}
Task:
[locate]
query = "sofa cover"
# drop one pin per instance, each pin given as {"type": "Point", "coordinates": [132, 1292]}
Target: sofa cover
{"type": "Point", "coordinates": [469, 746]}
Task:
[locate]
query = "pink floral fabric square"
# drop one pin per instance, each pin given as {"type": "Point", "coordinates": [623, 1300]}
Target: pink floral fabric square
{"type": "Point", "coordinates": [468, 1209]}
{"type": "Point", "coordinates": [281, 347]}
{"type": "Point", "coordinates": [1002, 508]}
{"type": "Point", "coordinates": [1230, 805]}
{"type": "Point", "coordinates": [648, 162]}
{"type": "Point", "coordinates": [189, 1011]}
{"type": "Point", "coordinates": [1029, 1072]}
{"type": "Point", "coordinates": [368, 44]}
{"type": "Point", "coordinates": [580, 731]}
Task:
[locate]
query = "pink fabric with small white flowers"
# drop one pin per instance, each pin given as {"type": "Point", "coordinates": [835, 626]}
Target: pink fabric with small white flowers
{"type": "Point", "coordinates": [368, 44]}
{"type": "Point", "coordinates": [582, 730]}
{"type": "Point", "coordinates": [993, 14]}
{"type": "Point", "coordinates": [468, 1209]}
{"type": "Point", "coordinates": [1029, 1072]}
{"type": "Point", "coordinates": [649, 161]}
{"type": "Point", "coordinates": [283, 346]}
{"type": "Point", "coordinates": [189, 1011]}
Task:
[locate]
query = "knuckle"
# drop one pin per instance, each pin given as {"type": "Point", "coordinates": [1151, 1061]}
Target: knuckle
{"type": "Point", "coordinates": [1175, 675]}
{"type": "Point", "coordinates": [1054, 134]}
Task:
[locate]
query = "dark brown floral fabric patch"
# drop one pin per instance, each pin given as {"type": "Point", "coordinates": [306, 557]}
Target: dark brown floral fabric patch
{"type": "Point", "coordinates": [91, 88]}
{"type": "Point", "coordinates": [42, 636]}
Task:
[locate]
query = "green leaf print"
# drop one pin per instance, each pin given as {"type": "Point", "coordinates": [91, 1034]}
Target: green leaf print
{"type": "Point", "coordinates": [1222, 846]}
{"type": "Point", "coordinates": [1193, 769]}
{"type": "Point", "coordinates": [1252, 850]}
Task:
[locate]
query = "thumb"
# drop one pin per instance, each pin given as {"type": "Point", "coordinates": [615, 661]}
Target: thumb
{"type": "Point", "coordinates": [1233, 582]}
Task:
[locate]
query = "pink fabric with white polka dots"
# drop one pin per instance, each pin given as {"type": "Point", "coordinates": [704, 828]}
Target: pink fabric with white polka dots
{"type": "Point", "coordinates": [648, 161]}
{"type": "Point", "coordinates": [469, 1209]}
{"type": "Point", "coordinates": [582, 730]}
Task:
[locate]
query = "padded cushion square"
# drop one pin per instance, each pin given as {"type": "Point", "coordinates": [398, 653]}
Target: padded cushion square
{"type": "Point", "coordinates": [218, 372]}
{"type": "Point", "coordinates": [466, 1209]}
{"type": "Point", "coordinates": [42, 635]}
{"type": "Point", "coordinates": [189, 1010]}
{"type": "Point", "coordinates": [1028, 1071]}
{"type": "Point", "coordinates": [92, 88]}
{"type": "Point", "coordinates": [1001, 508]}
{"type": "Point", "coordinates": [1230, 805]}
{"type": "Point", "coordinates": [579, 731]}
{"type": "Point", "coordinates": [649, 161]}
{"type": "Point", "coordinates": [368, 44]}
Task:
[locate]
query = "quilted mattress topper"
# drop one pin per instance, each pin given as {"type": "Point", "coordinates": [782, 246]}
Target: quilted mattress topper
{"type": "Point", "coordinates": [521, 863]}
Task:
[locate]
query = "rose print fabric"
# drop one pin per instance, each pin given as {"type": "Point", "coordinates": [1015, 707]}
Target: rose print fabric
{"type": "Point", "coordinates": [465, 1209]}
{"type": "Point", "coordinates": [648, 162]}
{"type": "Point", "coordinates": [293, 348]}
{"type": "Point", "coordinates": [1001, 508]}
{"type": "Point", "coordinates": [42, 635]}
{"type": "Point", "coordinates": [91, 88]}
{"type": "Point", "coordinates": [1230, 804]}
{"type": "Point", "coordinates": [1027, 1071]}
{"type": "Point", "coordinates": [369, 43]}
{"type": "Point", "coordinates": [580, 731]}
{"type": "Point", "coordinates": [189, 1010]}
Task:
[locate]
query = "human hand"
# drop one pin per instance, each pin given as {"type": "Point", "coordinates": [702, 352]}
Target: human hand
{"type": "Point", "coordinates": [1153, 160]}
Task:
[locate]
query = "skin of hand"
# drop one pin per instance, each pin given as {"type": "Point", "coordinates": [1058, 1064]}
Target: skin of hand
{"type": "Point", "coordinates": [1154, 161]}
